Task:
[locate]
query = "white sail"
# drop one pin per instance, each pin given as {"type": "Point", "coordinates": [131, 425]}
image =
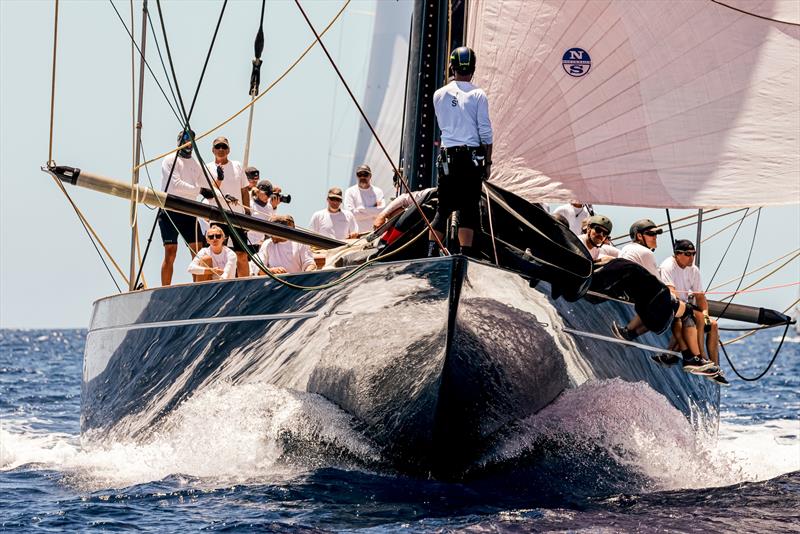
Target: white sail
{"type": "Point", "coordinates": [681, 104]}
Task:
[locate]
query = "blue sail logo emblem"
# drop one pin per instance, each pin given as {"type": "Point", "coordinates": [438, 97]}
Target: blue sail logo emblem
{"type": "Point", "coordinates": [576, 62]}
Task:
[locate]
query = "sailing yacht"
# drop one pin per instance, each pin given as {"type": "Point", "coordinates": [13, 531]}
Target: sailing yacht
{"type": "Point", "coordinates": [437, 359]}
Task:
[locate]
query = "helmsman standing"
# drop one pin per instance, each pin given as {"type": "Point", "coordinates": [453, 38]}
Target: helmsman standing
{"type": "Point", "coordinates": [465, 158]}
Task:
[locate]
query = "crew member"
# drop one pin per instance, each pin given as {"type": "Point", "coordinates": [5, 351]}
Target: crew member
{"type": "Point", "coordinates": [181, 176]}
{"type": "Point", "coordinates": [595, 239]}
{"type": "Point", "coordinates": [230, 180]}
{"type": "Point", "coordinates": [266, 198]}
{"type": "Point", "coordinates": [334, 221]}
{"type": "Point", "coordinates": [364, 200]}
{"type": "Point", "coordinates": [216, 261]}
{"type": "Point", "coordinates": [282, 256]}
{"type": "Point", "coordinates": [575, 213]}
{"type": "Point", "coordinates": [644, 240]}
{"type": "Point", "coordinates": [465, 159]}
{"type": "Point", "coordinates": [683, 279]}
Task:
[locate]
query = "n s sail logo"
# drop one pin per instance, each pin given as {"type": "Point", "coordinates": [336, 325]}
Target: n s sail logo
{"type": "Point", "coordinates": [576, 62]}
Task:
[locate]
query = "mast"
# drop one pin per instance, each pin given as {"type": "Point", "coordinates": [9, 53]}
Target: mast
{"type": "Point", "coordinates": [134, 226]}
{"type": "Point", "coordinates": [427, 56]}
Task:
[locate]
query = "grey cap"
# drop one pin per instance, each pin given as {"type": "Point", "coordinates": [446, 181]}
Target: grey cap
{"type": "Point", "coordinates": [252, 173]}
{"type": "Point", "coordinates": [363, 168]}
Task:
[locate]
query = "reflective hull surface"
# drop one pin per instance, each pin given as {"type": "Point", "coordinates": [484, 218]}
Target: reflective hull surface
{"type": "Point", "coordinates": [434, 359]}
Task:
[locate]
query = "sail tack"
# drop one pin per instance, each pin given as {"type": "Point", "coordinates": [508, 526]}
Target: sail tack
{"type": "Point", "coordinates": [680, 104]}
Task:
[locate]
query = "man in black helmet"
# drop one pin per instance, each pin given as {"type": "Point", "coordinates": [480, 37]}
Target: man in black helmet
{"type": "Point", "coordinates": [465, 158]}
{"type": "Point", "coordinates": [181, 176]}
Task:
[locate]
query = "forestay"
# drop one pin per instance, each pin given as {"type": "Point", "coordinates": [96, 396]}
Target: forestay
{"type": "Point", "coordinates": [682, 104]}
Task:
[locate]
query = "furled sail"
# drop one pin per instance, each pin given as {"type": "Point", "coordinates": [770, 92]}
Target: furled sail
{"type": "Point", "coordinates": [662, 103]}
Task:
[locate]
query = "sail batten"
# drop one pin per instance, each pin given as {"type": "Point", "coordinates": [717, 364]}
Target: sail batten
{"type": "Point", "coordinates": [674, 104]}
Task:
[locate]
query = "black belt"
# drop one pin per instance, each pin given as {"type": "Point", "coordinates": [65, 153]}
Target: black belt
{"type": "Point", "coordinates": [459, 149]}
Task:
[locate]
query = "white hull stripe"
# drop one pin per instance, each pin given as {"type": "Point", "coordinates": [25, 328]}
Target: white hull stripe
{"type": "Point", "coordinates": [207, 320]}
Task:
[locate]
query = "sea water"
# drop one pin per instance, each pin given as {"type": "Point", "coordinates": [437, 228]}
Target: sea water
{"type": "Point", "coordinates": [255, 457]}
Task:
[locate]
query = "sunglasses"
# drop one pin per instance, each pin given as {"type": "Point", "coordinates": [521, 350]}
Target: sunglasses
{"type": "Point", "coordinates": [600, 230]}
{"type": "Point", "coordinates": [213, 236]}
{"type": "Point", "coordinates": [335, 199]}
{"type": "Point", "coordinates": [362, 174]}
{"type": "Point", "coordinates": [688, 253]}
{"type": "Point", "coordinates": [220, 147]}
{"type": "Point", "coordinates": [652, 233]}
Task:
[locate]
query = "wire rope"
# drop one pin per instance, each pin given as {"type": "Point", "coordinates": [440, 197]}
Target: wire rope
{"type": "Point", "coordinates": [727, 249]}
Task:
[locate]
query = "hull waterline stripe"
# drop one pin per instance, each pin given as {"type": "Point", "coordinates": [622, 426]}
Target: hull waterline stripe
{"type": "Point", "coordinates": [208, 320]}
{"type": "Point", "coordinates": [620, 341]}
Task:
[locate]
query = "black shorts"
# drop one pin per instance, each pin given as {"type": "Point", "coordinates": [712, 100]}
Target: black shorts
{"type": "Point", "coordinates": [173, 223]}
{"type": "Point", "coordinates": [235, 246]}
{"type": "Point", "coordinates": [459, 189]}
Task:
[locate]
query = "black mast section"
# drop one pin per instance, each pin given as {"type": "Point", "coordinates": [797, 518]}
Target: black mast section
{"type": "Point", "coordinates": [428, 50]}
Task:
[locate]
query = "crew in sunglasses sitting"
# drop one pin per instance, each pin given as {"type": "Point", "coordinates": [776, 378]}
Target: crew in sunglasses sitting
{"type": "Point", "coordinates": [216, 261]}
{"type": "Point", "coordinates": [682, 277]}
{"type": "Point", "coordinates": [595, 239]}
{"type": "Point", "coordinates": [644, 240]}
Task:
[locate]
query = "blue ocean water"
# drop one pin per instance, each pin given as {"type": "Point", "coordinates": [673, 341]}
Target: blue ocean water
{"type": "Point", "coordinates": [257, 458]}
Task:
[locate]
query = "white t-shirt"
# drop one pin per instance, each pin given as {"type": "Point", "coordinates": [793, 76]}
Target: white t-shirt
{"type": "Point", "coordinates": [685, 280]}
{"type": "Point", "coordinates": [264, 213]}
{"type": "Point", "coordinates": [292, 256]}
{"type": "Point", "coordinates": [364, 204]}
{"type": "Point", "coordinates": [235, 180]}
{"type": "Point", "coordinates": [225, 260]}
{"type": "Point", "coordinates": [575, 216]}
{"type": "Point", "coordinates": [602, 250]}
{"type": "Point", "coordinates": [642, 255]}
{"type": "Point", "coordinates": [462, 111]}
{"type": "Point", "coordinates": [186, 178]}
{"type": "Point", "coordinates": [337, 225]}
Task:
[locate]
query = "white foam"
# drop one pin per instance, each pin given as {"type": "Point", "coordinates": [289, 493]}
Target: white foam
{"type": "Point", "coordinates": [639, 429]}
{"type": "Point", "coordinates": [224, 435]}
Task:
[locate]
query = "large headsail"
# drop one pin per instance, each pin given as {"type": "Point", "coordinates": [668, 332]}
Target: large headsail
{"type": "Point", "coordinates": [661, 103]}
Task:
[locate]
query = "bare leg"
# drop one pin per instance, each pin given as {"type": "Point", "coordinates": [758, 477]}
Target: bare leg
{"type": "Point", "coordinates": [242, 267]}
{"type": "Point", "coordinates": [712, 343]}
{"type": "Point", "coordinates": [170, 252]}
{"type": "Point", "coordinates": [465, 236]}
{"type": "Point", "coordinates": [690, 338]}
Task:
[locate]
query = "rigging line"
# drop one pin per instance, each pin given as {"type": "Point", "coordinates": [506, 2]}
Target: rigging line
{"type": "Point", "coordinates": [715, 234]}
{"type": "Point", "coordinates": [671, 233]}
{"type": "Point", "coordinates": [727, 249]}
{"type": "Point", "coordinates": [684, 218]}
{"type": "Point", "coordinates": [746, 265]}
{"type": "Point", "coordinates": [767, 276]}
{"type": "Point", "coordinates": [92, 234]}
{"type": "Point", "coordinates": [769, 366]}
{"type": "Point", "coordinates": [267, 90]}
{"type": "Point", "coordinates": [145, 61]}
{"type": "Point", "coordinates": [161, 58]}
{"type": "Point", "coordinates": [208, 57]}
{"type": "Point", "coordinates": [743, 336]}
{"type": "Point", "coordinates": [372, 129]}
{"type": "Point", "coordinates": [748, 13]}
{"type": "Point", "coordinates": [796, 253]}
{"type": "Point", "coordinates": [50, 161]}
{"type": "Point", "coordinates": [491, 225]}
{"type": "Point", "coordinates": [133, 212]}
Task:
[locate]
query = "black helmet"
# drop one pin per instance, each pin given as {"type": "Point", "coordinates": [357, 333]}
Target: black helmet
{"type": "Point", "coordinates": [642, 225]}
{"type": "Point", "coordinates": [462, 60]}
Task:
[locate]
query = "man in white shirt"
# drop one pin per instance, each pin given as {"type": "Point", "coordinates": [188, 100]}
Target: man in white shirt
{"type": "Point", "coordinates": [683, 279]}
{"type": "Point", "coordinates": [364, 200]}
{"type": "Point", "coordinates": [597, 231]}
{"type": "Point", "coordinates": [181, 176]}
{"type": "Point", "coordinates": [465, 157]}
{"type": "Point", "coordinates": [333, 221]}
{"type": "Point", "coordinates": [231, 182]}
{"type": "Point", "coordinates": [575, 214]}
{"type": "Point", "coordinates": [644, 234]}
{"type": "Point", "coordinates": [216, 261]}
{"type": "Point", "coordinates": [644, 240]}
{"type": "Point", "coordinates": [282, 256]}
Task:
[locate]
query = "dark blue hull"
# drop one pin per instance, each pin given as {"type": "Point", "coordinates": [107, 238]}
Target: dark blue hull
{"type": "Point", "coordinates": [434, 358]}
